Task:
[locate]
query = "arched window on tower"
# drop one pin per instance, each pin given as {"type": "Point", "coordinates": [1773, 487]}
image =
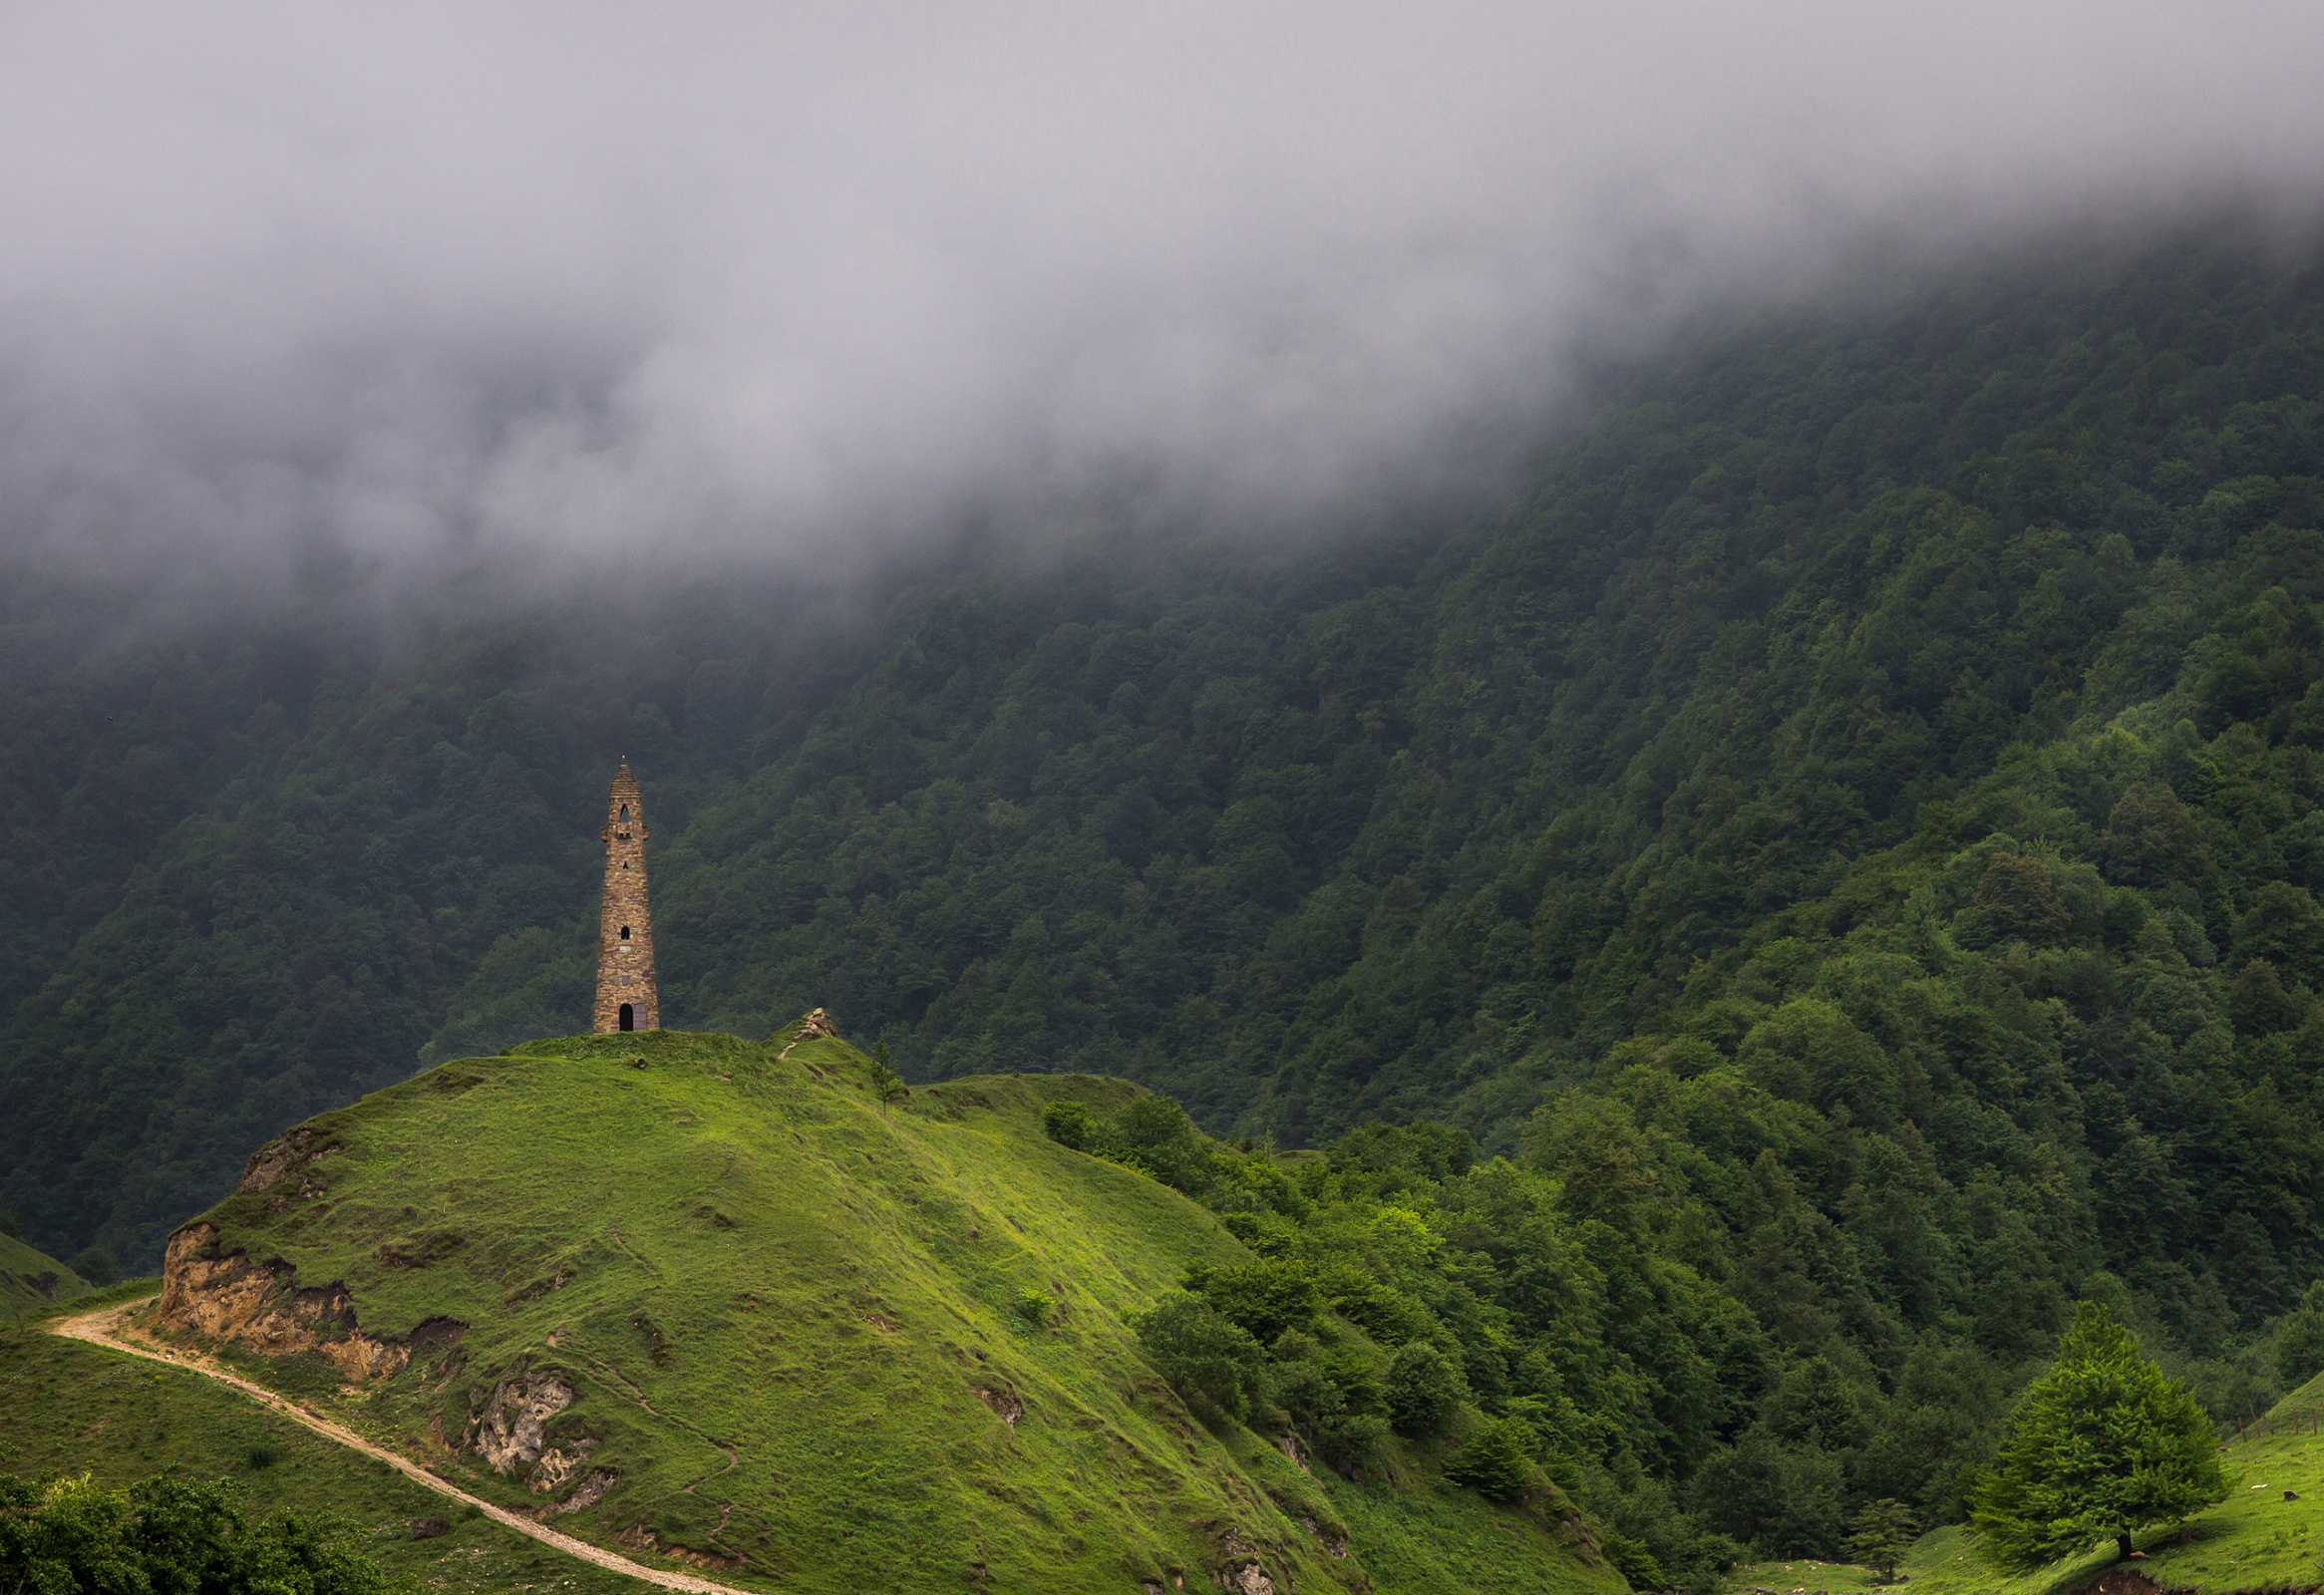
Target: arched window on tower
{"type": "Point", "coordinates": [625, 933]}
{"type": "Point", "coordinates": [625, 810]}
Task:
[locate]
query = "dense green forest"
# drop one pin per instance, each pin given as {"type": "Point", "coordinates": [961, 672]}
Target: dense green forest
{"type": "Point", "coordinates": [1846, 834]}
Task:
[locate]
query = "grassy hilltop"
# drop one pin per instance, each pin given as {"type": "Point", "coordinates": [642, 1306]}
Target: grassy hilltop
{"type": "Point", "coordinates": [800, 1331]}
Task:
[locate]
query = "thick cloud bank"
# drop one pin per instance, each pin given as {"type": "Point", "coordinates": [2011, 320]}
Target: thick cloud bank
{"type": "Point", "coordinates": [411, 282]}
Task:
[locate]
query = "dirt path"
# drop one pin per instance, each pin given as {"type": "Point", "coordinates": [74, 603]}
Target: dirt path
{"type": "Point", "coordinates": [103, 1328]}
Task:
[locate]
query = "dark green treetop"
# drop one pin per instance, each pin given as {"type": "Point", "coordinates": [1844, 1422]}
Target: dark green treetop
{"type": "Point", "coordinates": [2104, 1444]}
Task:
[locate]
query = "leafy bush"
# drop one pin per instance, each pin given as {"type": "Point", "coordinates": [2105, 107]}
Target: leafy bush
{"type": "Point", "coordinates": [64, 1534]}
{"type": "Point", "coordinates": [1332, 1406]}
{"type": "Point", "coordinates": [1497, 1462]}
{"type": "Point", "coordinates": [1068, 1123]}
{"type": "Point", "coordinates": [1423, 1387]}
{"type": "Point", "coordinates": [1266, 1298]}
{"type": "Point", "coordinates": [1215, 1365]}
{"type": "Point", "coordinates": [1634, 1563]}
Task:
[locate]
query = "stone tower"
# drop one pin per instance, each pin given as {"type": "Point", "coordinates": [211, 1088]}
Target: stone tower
{"type": "Point", "coordinates": [627, 998]}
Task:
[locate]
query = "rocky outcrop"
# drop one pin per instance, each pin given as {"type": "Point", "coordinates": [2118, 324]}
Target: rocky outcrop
{"type": "Point", "coordinates": [1241, 1573]}
{"type": "Point", "coordinates": [638, 1537]}
{"type": "Point", "coordinates": [508, 1427]}
{"type": "Point", "coordinates": [815, 1027]}
{"type": "Point", "coordinates": [261, 1305]}
{"type": "Point", "coordinates": [588, 1492]}
{"type": "Point", "coordinates": [286, 1155]}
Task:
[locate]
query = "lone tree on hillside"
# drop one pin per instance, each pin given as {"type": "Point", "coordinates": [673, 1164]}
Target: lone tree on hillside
{"type": "Point", "coordinates": [2102, 1445]}
{"type": "Point", "coordinates": [1882, 1532]}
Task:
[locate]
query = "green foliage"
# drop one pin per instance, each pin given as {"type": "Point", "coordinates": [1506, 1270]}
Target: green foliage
{"type": "Point", "coordinates": [1498, 1462]}
{"type": "Point", "coordinates": [1213, 1363]}
{"type": "Point", "coordinates": [1881, 1533]}
{"type": "Point", "coordinates": [1264, 1298]}
{"type": "Point", "coordinates": [1976, 634]}
{"type": "Point", "coordinates": [1780, 1498]}
{"type": "Point", "coordinates": [2299, 1340]}
{"type": "Point", "coordinates": [1332, 1400]}
{"type": "Point", "coordinates": [1423, 1387]}
{"type": "Point", "coordinates": [887, 1083]}
{"type": "Point", "coordinates": [97, 1266]}
{"type": "Point", "coordinates": [1068, 1123]}
{"type": "Point", "coordinates": [30, 1279]}
{"type": "Point", "coordinates": [2102, 1445]}
{"type": "Point", "coordinates": [1634, 1563]}
{"type": "Point", "coordinates": [1033, 1306]}
{"type": "Point", "coordinates": [68, 1534]}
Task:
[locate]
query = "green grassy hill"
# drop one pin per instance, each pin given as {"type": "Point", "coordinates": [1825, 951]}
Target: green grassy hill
{"type": "Point", "coordinates": [708, 1301]}
{"type": "Point", "coordinates": [30, 1278]}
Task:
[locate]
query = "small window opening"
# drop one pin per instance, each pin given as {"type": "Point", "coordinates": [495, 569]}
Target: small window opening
{"type": "Point", "coordinates": [625, 933]}
{"type": "Point", "coordinates": [628, 1018]}
{"type": "Point", "coordinates": [625, 810]}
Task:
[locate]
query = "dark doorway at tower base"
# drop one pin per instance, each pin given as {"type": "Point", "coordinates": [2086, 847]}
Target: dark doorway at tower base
{"type": "Point", "coordinates": [628, 1019]}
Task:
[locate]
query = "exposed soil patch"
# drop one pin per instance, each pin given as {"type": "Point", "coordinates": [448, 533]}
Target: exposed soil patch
{"type": "Point", "coordinates": [262, 1306]}
{"type": "Point", "coordinates": [1005, 1405]}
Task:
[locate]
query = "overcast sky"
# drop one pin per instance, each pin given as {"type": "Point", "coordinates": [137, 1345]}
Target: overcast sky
{"type": "Point", "coordinates": [421, 281]}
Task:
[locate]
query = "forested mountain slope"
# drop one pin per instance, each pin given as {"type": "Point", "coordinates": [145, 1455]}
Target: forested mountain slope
{"type": "Point", "coordinates": [1902, 715]}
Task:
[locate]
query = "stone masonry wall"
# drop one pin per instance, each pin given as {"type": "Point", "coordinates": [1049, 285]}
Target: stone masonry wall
{"type": "Point", "coordinates": [625, 936]}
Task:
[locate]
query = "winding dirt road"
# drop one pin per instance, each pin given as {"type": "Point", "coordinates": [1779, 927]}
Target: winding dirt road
{"type": "Point", "coordinates": [104, 1328]}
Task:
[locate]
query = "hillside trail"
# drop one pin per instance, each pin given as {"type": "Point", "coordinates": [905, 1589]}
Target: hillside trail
{"type": "Point", "coordinates": [105, 1327]}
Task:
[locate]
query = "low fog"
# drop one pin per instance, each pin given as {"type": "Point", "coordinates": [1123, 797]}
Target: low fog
{"type": "Point", "coordinates": [413, 288]}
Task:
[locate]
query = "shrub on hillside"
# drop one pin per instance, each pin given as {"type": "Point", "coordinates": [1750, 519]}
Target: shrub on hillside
{"type": "Point", "coordinates": [1267, 1297]}
{"type": "Point", "coordinates": [1424, 1388]}
{"type": "Point", "coordinates": [1499, 1462]}
{"type": "Point", "coordinates": [2299, 1340]}
{"type": "Point", "coordinates": [1634, 1563]}
{"type": "Point", "coordinates": [1332, 1402]}
{"type": "Point", "coordinates": [1215, 1365]}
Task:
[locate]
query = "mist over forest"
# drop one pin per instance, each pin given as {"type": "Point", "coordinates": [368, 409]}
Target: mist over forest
{"type": "Point", "coordinates": [1689, 645]}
